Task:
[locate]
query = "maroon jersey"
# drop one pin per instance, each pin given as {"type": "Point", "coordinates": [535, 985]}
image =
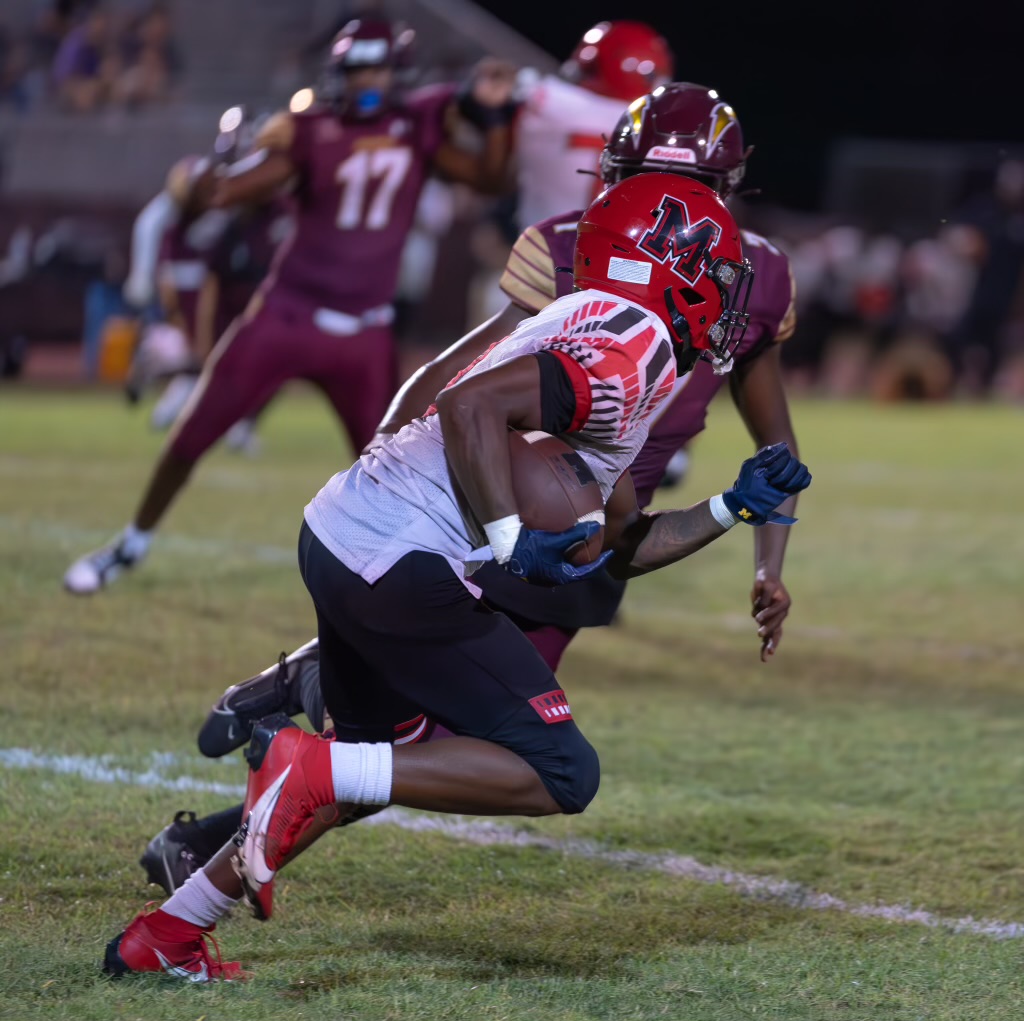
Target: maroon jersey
{"type": "Point", "coordinates": [356, 193]}
{"type": "Point", "coordinates": [181, 269]}
{"type": "Point", "coordinates": [539, 270]}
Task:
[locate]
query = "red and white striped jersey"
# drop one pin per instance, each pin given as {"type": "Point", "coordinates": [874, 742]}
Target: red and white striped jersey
{"type": "Point", "coordinates": [399, 497]}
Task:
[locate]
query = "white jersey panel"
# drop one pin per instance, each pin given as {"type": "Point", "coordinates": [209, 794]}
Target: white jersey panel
{"type": "Point", "coordinates": [399, 497]}
{"type": "Point", "coordinates": [560, 131]}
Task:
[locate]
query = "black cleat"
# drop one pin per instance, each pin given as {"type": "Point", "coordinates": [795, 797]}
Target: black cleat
{"type": "Point", "coordinates": [170, 858]}
{"type": "Point", "coordinates": [96, 570]}
{"type": "Point", "coordinates": [113, 962]}
{"type": "Point", "coordinates": [278, 689]}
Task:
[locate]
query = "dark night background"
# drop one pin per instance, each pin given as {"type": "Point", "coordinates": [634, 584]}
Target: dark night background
{"type": "Point", "coordinates": [804, 75]}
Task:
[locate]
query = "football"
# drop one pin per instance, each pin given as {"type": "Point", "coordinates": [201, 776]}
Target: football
{"type": "Point", "coordinates": [555, 488]}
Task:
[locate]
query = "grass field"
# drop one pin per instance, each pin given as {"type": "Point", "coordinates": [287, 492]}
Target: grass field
{"type": "Point", "coordinates": [878, 759]}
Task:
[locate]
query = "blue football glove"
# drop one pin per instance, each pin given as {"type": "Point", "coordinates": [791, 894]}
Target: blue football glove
{"type": "Point", "coordinates": [768, 478]}
{"type": "Point", "coordinates": [539, 557]}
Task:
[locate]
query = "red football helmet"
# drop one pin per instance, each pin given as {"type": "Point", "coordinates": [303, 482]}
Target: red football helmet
{"type": "Point", "coordinates": [620, 59]}
{"type": "Point", "coordinates": [670, 244]}
{"type": "Point", "coordinates": [680, 128]}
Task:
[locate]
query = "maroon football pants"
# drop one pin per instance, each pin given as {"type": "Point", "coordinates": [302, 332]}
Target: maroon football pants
{"type": "Point", "coordinates": [278, 342]}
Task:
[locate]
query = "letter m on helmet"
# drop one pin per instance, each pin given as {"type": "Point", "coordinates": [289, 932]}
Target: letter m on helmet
{"type": "Point", "coordinates": [674, 239]}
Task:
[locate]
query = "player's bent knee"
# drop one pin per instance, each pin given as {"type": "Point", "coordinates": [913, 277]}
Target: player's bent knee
{"type": "Point", "coordinates": [573, 776]}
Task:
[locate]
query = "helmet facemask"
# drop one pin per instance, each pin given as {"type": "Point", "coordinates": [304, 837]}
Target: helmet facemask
{"type": "Point", "coordinates": [733, 280]}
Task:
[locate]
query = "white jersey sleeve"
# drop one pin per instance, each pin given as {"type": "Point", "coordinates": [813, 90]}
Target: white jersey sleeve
{"type": "Point", "coordinates": [560, 133]}
{"type": "Point", "coordinates": [400, 497]}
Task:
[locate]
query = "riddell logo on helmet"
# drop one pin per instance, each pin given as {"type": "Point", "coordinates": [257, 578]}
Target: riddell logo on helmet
{"type": "Point", "coordinates": [671, 153]}
{"type": "Point", "coordinates": [674, 239]}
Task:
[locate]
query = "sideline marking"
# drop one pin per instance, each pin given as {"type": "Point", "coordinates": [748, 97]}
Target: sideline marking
{"type": "Point", "coordinates": [102, 769]}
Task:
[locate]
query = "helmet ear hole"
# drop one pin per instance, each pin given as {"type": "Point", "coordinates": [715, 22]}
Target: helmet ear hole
{"type": "Point", "coordinates": [692, 297]}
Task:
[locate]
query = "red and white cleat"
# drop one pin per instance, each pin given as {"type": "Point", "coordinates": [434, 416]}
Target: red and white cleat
{"type": "Point", "coordinates": [164, 943]}
{"type": "Point", "coordinates": [289, 779]}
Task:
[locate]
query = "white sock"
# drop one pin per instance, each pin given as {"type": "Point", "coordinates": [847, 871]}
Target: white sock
{"type": "Point", "coordinates": [136, 542]}
{"type": "Point", "coordinates": [198, 901]}
{"type": "Point", "coordinates": [361, 772]}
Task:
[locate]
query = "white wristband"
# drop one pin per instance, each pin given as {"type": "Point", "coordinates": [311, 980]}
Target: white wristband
{"type": "Point", "coordinates": [721, 513]}
{"type": "Point", "coordinates": [502, 536]}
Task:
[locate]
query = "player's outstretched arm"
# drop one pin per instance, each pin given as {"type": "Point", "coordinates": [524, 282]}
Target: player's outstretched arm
{"type": "Point", "coordinates": [420, 390]}
{"type": "Point", "coordinates": [487, 103]}
{"type": "Point", "coordinates": [760, 398]}
{"type": "Point", "coordinates": [642, 542]}
{"type": "Point", "coordinates": [646, 542]}
{"type": "Point", "coordinates": [261, 174]}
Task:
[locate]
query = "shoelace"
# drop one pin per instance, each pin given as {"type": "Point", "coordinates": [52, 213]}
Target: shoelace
{"type": "Point", "coordinates": [203, 954]}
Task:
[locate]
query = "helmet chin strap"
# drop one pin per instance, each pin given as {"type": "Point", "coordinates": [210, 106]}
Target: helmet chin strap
{"type": "Point", "coordinates": [686, 354]}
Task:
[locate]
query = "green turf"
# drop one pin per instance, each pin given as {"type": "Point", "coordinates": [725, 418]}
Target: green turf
{"type": "Point", "coordinates": [877, 758]}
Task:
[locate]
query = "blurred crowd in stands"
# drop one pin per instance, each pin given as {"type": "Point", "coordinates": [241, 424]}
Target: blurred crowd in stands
{"type": "Point", "coordinates": [926, 317]}
{"type": "Point", "coordinates": [81, 56]}
{"type": "Point", "coordinates": [895, 317]}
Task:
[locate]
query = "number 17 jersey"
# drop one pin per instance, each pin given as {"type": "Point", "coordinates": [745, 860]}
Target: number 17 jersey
{"type": "Point", "coordinates": [355, 194]}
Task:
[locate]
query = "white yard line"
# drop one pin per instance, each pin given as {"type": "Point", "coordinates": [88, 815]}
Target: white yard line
{"type": "Point", "coordinates": [71, 537]}
{"type": "Point", "coordinates": [102, 769]}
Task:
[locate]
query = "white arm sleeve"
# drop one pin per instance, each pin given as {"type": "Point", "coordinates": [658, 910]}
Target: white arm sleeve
{"type": "Point", "coordinates": [156, 216]}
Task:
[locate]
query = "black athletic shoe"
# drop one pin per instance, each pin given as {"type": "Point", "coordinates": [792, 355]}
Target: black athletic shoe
{"type": "Point", "coordinates": [278, 689]}
{"type": "Point", "coordinates": [170, 857]}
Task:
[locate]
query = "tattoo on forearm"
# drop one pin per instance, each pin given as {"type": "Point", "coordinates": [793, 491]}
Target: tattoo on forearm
{"type": "Point", "coordinates": [671, 536]}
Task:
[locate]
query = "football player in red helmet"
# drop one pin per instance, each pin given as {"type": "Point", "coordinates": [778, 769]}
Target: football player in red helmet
{"type": "Point", "coordinates": [699, 282]}
{"type": "Point", "coordinates": [681, 128]}
{"type": "Point", "coordinates": [355, 165]}
{"type": "Point", "coordinates": [388, 549]}
{"type": "Point", "coordinates": [564, 119]}
{"type": "Point", "coordinates": [684, 128]}
{"type": "Point", "coordinates": [620, 59]}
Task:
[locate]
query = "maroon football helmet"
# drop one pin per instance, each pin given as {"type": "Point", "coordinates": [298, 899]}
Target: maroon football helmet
{"type": "Point", "coordinates": [670, 244]}
{"type": "Point", "coordinates": [680, 128]}
{"type": "Point", "coordinates": [620, 59]}
{"type": "Point", "coordinates": [362, 43]}
{"type": "Point", "coordinates": [371, 42]}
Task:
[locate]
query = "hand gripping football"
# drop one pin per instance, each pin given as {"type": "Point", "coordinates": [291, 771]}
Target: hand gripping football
{"type": "Point", "coordinates": [555, 488]}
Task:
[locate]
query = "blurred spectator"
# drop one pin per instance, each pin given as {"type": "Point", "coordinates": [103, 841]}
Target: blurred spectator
{"type": "Point", "coordinates": [51, 24]}
{"type": "Point", "coordinates": [14, 65]}
{"type": "Point", "coordinates": [151, 61]}
{"type": "Point", "coordinates": [988, 332]}
{"type": "Point", "coordinates": [85, 68]}
{"type": "Point", "coordinates": [97, 65]}
{"type": "Point", "coordinates": [103, 302]}
{"type": "Point", "coordinates": [825, 267]}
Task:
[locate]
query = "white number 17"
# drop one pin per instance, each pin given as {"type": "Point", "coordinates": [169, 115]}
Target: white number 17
{"type": "Point", "coordinates": [389, 166]}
